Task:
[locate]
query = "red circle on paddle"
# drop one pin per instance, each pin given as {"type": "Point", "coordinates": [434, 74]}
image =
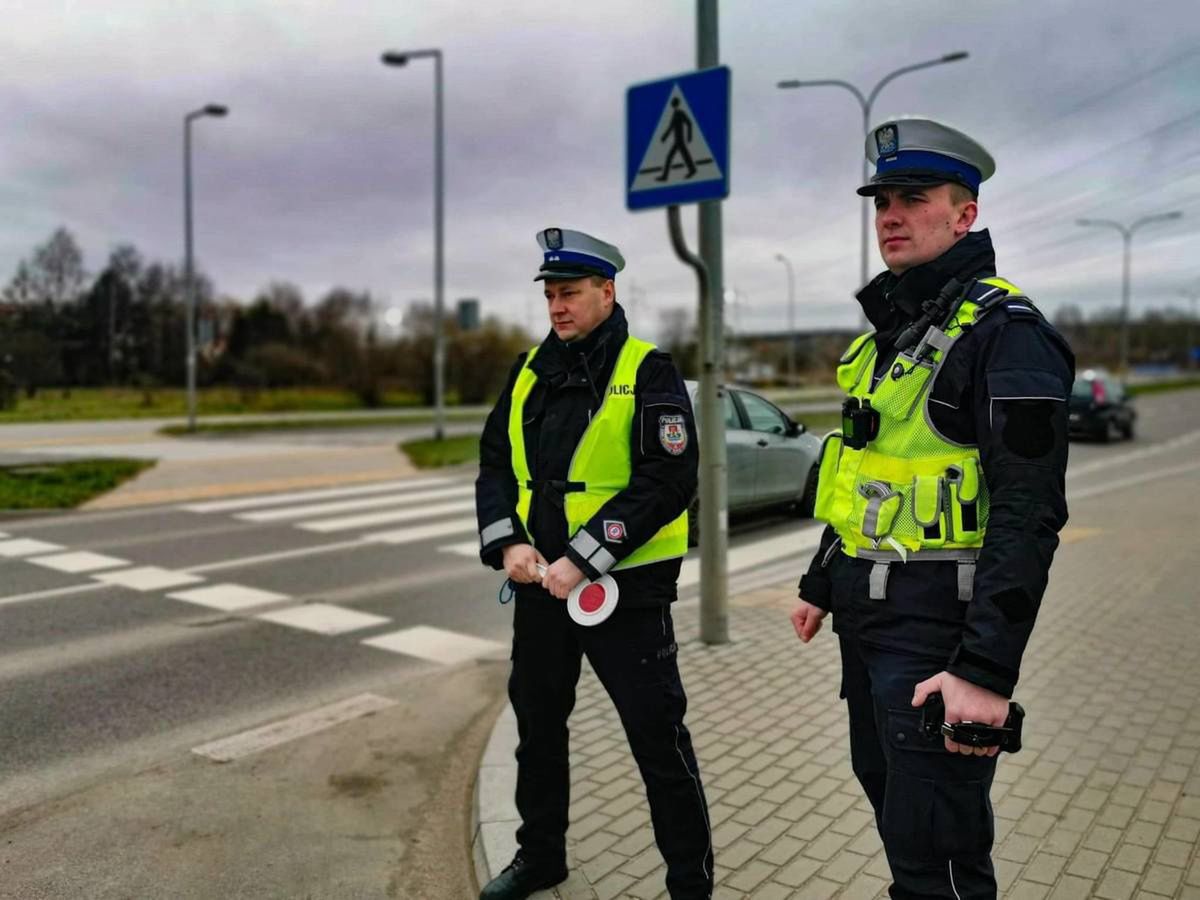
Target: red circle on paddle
{"type": "Point", "coordinates": [591, 598]}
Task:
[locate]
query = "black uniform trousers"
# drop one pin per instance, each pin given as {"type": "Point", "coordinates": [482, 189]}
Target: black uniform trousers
{"type": "Point", "coordinates": [633, 653]}
{"type": "Point", "coordinates": [932, 807]}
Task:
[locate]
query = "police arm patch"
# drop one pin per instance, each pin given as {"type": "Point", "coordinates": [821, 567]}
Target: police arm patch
{"type": "Point", "coordinates": [672, 434]}
{"type": "Point", "coordinates": [614, 531]}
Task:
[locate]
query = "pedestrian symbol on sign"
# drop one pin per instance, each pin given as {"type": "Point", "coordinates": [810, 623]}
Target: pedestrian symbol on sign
{"type": "Point", "coordinates": [679, 151]}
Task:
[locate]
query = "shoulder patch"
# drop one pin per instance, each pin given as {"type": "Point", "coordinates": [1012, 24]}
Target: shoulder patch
{"type": "Point", "coordinates": [672, 434]}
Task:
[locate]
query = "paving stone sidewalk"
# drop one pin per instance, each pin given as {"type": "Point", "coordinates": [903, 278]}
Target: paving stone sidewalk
{"type": "Point", "coordinates": [1104, 801]}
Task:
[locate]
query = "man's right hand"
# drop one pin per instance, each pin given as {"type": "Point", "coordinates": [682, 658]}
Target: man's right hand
{"type": "Point", "coordinates": [807, 620]}
{"type": "Point", "coordinates": [521, 562]}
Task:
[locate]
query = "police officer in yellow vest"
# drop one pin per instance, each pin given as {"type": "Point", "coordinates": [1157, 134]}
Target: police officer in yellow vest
{"type": "Point", "coordinates": [944, 495]}
{"type": "Point", "coordinates": [587, 465]}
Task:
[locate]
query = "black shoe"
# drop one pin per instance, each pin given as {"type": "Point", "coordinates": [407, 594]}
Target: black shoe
{"type": "Point", "coordinates": [520, 878]}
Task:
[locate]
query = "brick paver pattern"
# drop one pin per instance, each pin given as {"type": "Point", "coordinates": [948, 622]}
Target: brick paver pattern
{"type": "Point", "coordinates": [1104, 801]}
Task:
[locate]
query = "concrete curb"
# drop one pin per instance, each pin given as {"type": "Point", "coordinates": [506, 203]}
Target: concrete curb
{"type": "Point", "coordinates": [494, 817]}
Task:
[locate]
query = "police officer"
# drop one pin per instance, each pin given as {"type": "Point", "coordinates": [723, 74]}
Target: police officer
{"type": "Point", "coordinates": [944, 494]}
{"type": "Point", "coordinates": [587, 465]}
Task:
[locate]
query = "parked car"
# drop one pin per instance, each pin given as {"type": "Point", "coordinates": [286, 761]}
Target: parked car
{"type": "Point", "coordinates": [1100, 407]}
{"type": "Point", "coordinates": [771, 459]}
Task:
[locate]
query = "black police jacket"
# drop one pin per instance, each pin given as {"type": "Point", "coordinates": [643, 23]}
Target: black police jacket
{"type": "Point", "coordinates": [572, 379]}
{"type": "Point", "coordinates": [1003, 388]}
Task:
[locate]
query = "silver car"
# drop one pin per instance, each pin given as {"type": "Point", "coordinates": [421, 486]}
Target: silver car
{"type": "Point", "coordinates": [771, 459]}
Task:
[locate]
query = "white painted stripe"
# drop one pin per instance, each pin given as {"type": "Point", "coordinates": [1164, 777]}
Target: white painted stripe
{"type": "Point", "coordinates": [424, 532]}
{"type": "Point", "coordinates": [44, 595]}
{"type": "Point", "coordinates": [753, 555]}
{"type": "Point", "coordinates": [466, 548]}
{"type": "Point", "coordinates": [148, 578]}
{"type": "Point", "coordinates": [323, 618]}
{"type": "Point", "coordinates": [80, 561]}
{"type": "Point", "coordinates": [278, 555]}
{"type": "Point", "coordinates": [228, 597]}
{"type": "Point", "coordinates": [403, 515]}
{"type": "Point", "coordinates": [321, 494]}
{"type": "Point", "coordinates": [4, 534]}
{"type": "Point", "coordinates": [320, 509]}
{"type": "Point", "coordinates": [436, 644]}
{"type": "Point", "coordinates": [1132, 480]}
{"type": "Point", "coordinates": [26, 547]}
{"type": "Point", "coordinates": [257, 739]}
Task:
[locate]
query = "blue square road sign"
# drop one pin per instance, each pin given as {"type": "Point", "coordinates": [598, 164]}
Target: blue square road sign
{"type": "Point", "coordinates": [677, 139]}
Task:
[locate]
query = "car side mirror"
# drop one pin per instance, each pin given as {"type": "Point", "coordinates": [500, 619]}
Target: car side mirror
{"type": "Point", "coordinates": [795, 428]}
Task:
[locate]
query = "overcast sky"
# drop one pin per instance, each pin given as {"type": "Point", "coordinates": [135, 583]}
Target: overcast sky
{"type": "Point", "coordinates": [322, 173]}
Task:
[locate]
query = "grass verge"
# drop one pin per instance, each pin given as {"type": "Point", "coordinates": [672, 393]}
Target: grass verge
{"type": "Point", "coordinates": [60, 405]}
{"type": "Point", "coordinates": [63, 485]}
{"type": "Point", "coordinates": [430, 454]}
{"type": "Point", "coordinates": [1159, 387]}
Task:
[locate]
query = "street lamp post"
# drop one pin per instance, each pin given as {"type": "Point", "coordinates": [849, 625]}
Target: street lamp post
{"type": "Point", "coordinates": [402, 58]}
{"type": "Point", "coordinates": [866, 101]}
{"type": "Point", "coordinates": [791, 345]}
{"type": "Point", "coordinates": [189, 285]}
{"type": "Point", "coordinates": [1127, 232]}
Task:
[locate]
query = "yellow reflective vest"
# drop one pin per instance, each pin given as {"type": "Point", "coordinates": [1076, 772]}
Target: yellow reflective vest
{"type": "Point", "coordinates": [910, 490]}
{"type": "Point", "coordinates": [602, 459]}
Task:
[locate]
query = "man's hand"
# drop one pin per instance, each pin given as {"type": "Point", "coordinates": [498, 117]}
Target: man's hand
{"type": "Point", "coordinates": [965, 702]}
{"type": "Point", "coordinates": [521, 562]}
{"type": "Point", "coordinates": [807, 620]}
{"type": "Point", "coordinates": [561, 577]}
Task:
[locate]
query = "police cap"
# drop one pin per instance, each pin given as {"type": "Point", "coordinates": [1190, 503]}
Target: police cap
{"type": "Point", "coordinates": [573, 254]}
{"type": "Point", "coordinates": [916, 151]}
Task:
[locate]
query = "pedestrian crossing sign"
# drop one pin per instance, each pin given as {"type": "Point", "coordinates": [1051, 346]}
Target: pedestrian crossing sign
{"type": "Point", "coordinates": [677, 139]}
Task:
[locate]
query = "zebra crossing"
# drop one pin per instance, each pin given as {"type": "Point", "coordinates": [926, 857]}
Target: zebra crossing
{"type": "Point", "coordinates": [444, 507]}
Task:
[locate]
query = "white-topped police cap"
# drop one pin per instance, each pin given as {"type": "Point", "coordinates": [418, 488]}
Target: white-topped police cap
{"type": "Point", "coordinates": [915, 151]}
{"type": "Point", "coordinates": [570, 254]}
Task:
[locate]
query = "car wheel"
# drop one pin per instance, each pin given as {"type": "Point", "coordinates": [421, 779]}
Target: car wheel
{"type": "Point", "coordinates": [804, 506]}
{"type": "Point", "coordinates": [694, 523]}
{"type": "Point", "coordinates": [1107, 431]}
{"type": "Point", "coordinates": [1127, 430]}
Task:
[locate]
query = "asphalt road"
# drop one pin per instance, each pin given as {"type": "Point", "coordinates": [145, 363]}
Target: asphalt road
{"type": "Point", "coordinates": [270, 607]}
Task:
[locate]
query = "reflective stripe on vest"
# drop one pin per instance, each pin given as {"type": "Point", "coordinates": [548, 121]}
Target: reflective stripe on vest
{"type": "Point", "coordinates": [911, 489]}
{"type": "Point", "coordinates": [602, 461]}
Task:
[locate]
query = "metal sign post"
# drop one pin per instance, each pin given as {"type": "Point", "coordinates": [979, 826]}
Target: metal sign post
{"type": "Point", "coordinates": [677, 151]}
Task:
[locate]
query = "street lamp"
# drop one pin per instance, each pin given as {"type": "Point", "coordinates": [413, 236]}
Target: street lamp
{"type": "Point", "coordinates": [1127, 234]}
{"type": "Point", "coordinates": [402, 58]}
{"type": "Point", "coordinates": [791, 347]}
{"type": "Point", "coordinates": [189, 286]}
{"type": "Point", "coordinates": [866, 101]}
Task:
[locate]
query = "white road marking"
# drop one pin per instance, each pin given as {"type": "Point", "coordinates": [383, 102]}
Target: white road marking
{"type": "Point", "coordinates": [228, 597]}
{"type": "Point", "coordinates": [147, 578]}
{"type": "Point", "coordinates": [3, 534]}
{"type": "Point", "coordinates": [754, 555]}
{"type": "Point", "coordinates": [79, 561]}
{"type": "Point", "coordinates": [402, 515]}
{"type": "Point", "coordinates": [278, 555]}
{"type": "Point", "coordinates": [423, 532]}
{"type": "Point", "coordinates": [323, 618]}
{"type": "Point", "coordinates": [436, 644]}
{"type": "Point", "coordinates": [1124, 460]}
{"type": "Point", "coordinates": [26, 547]}
{"type": "Point", "coordinates": [319, 509]}
{"type": "Point", "coordinates": [1073, 495]}
{"type": "Point", "coordinates": [321, 494]}
{"type": "Point", "coordinates": [45, 595]}
{"type": "Point", "coordinates": [466, 548]}
{"type": "Point", "coordinates": [258, 739]}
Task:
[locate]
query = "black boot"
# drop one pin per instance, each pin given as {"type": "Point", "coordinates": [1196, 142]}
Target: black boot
{"type": "Point", "coordinates": [522, 877]}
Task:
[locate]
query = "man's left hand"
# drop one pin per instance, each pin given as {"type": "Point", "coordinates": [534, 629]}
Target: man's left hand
{"type": "Point", "coordinates": [965, 702]}
{"type": "Point", "coordinates": [561, 577]}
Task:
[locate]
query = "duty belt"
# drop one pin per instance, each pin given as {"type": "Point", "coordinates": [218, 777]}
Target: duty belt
{"type": "Point", "coordinates": [555, 490]}
{"type": "Point", "coordinates": [885, 559]}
